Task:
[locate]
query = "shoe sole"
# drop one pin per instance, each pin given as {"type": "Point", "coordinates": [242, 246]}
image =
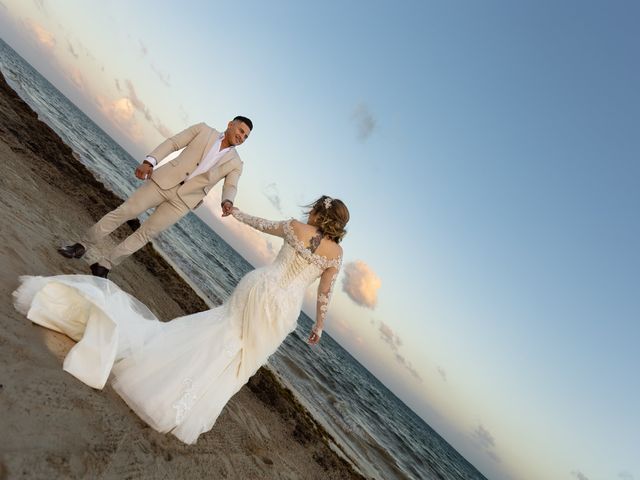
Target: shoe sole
{"type": "Point", "coordinates": [65, 254]}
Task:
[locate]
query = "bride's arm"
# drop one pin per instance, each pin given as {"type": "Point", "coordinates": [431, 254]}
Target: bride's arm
{"type": "Point", "coordinates": [325, 289]}
{"type": "Point", "coordinates": [267, 226]}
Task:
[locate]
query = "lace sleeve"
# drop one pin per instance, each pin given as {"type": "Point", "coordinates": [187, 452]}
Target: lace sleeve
{"type": "Point", "coordinates": [267, 226]}
{"type": "Point", "coordinates": [325, 290]}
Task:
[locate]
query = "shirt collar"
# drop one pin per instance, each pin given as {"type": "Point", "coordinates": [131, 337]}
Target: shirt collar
{"type": "Point", "coordinates": [219, 141]}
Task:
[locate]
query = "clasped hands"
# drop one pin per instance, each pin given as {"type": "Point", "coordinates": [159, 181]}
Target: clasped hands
{"type": "Point", "coordinates": [227, 208]}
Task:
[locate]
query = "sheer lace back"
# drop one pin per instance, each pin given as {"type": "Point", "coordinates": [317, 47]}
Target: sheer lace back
{"type": "Point", "coordinates": [314, 243]}
{"type": "Point", "coordinates": [308, 253]}
{"type": "Point", "coordinates": [298, 265]}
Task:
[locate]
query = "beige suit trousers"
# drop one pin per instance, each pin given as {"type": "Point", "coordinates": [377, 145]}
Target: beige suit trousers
{"type": "Point", "coordinates": [169, 209]}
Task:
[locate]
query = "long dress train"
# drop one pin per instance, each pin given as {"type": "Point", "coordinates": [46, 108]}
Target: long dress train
{"type": "Point", "coordinates": [178, 375]}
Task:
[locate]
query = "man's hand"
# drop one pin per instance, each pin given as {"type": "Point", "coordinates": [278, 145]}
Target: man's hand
{"type": "Point", "coordinates": [144, 171]}
{"type": "Point", "coordinates": [227, 207]}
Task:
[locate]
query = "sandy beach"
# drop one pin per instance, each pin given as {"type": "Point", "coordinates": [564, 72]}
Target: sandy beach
{"type": "Point", "coordinates": [54, 426]}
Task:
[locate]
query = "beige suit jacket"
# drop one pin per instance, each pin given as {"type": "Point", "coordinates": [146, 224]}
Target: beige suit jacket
{"type": "Point", "coordinates": [196, 140]}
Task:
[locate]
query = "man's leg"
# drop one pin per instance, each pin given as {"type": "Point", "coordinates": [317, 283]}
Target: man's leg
{"type": "Point", "coordinates": [147, 196]}
{"type": "Point", "coordinates": [165, 215]}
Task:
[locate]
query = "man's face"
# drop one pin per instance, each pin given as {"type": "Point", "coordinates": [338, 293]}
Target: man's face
{"type": "Point", "coordinates": [237, 132]}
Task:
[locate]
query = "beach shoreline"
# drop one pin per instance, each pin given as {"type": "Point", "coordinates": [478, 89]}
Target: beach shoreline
{"type": "Point", "coordinates": [53, 425]}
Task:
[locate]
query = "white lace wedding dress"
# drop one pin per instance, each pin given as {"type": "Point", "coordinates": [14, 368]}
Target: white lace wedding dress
{"type": "Point", "coordinates": [178, 375]}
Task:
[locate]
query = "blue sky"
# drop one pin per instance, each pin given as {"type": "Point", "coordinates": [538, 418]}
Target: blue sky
{"type": "Point", "coordinates": [488, 152]}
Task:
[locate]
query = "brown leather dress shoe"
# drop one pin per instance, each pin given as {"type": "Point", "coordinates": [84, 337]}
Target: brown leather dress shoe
{"type": "Point", "coordinates": [72, 251]}
{"type": "Point", "coordinates": [98, 270]}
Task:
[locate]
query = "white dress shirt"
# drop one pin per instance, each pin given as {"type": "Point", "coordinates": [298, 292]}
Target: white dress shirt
{"type": "Point", "coordinates": [212, 158]}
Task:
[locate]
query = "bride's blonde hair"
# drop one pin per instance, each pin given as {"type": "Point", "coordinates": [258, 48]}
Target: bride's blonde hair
{"type": "Point", "coordinates": [332, 216]}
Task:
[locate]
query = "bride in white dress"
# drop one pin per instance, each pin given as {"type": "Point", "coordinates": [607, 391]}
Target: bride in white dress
{"type": "Point", "coordinates": [178, 375]}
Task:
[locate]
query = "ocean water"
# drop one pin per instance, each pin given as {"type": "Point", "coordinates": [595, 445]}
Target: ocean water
{"type": "Point", "coordinates": [385, 438]}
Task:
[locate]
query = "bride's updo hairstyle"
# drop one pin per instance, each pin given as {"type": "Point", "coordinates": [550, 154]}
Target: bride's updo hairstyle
{"type": "Point", "coordinates": [332, 216]}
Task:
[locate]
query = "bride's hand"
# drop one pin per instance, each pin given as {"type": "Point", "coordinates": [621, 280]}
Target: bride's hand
{"type": "Point", "coordinates": [314, 337]}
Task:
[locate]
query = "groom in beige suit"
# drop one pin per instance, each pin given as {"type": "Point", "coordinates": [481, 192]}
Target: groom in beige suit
{"type": "Point", "coordinates": [173, 189]}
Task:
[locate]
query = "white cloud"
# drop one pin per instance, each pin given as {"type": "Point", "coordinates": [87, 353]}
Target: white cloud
{"type": "Point", "coordinates": [486, 441]}
{"type": "Point", "coordinates": [406, 364]}
{"type": "Point", "coordinates": [364, 121]}
{"type": "Point", "coordinates": [136, 102]}
{"type": "Point", "coordinates": [579, 475]}
{"type": "Point", "coordinates": [41, 7]}
{"type": "Point", "coordinates": [273, 195]}
{"type": "Point", "coordinates": [141, 107]}
{"type": "Point", "coordinates": [184, 116]}
{"type": "Point", "coordinates": [393, 340]}
{"type": "Point", "coordinates": [121, 113]}
{"type": "Point", "coordinates": [389, 336]}
{"type": "Point", "coordinates": [77, 78]}
{"type": "Point", "coordinates": [484, 437]}
{"type": "Point", "coordinates": [143, 48]}
{"type": "Point", "coordinates": [121, 110]}
{"type": "Point", "coordinates": [164, 77]}
{"type": "Point", "coordinates": [71, 49]}
{"type": "Point", "coordinates": [162, 129]}
{"type": "Point", "coordinates": [43, 36]}
{"type": "Point", "coordinates": [361, 284]}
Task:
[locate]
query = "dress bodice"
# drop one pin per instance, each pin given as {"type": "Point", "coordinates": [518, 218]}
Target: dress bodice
{"type": "Point", "coordinates": [296, 265]}
{"type": "Point", "coordinates": [293, 270]}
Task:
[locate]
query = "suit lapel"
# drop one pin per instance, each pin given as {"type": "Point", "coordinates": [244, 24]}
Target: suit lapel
{"type": "Point", "coordinates": [212, 174]}
{"type": "Point", "coordinates": [226, 157]}
{"type": "Point", "coordinates": [213, 136]}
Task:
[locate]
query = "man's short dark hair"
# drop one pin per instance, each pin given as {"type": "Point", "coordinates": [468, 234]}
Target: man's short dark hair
{"type": "Point", "coordinates": [249, 123]}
